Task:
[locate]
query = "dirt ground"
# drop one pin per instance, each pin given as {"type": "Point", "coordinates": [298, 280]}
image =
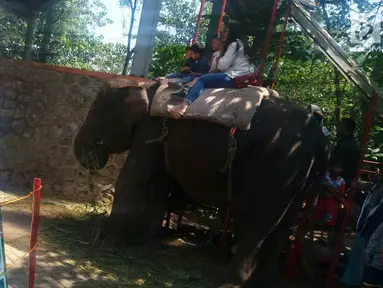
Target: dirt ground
{"type": "Point", "coordinates": [72, 230]}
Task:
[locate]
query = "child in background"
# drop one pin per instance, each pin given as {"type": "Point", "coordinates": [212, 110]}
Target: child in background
{"type": "Point", "coordinates": [216, 47]}
{"type": "Point", "coordinates": [373, 271]}
{"type": "Point", "coordinates": [200, 67]}
{"type": "Point", "coordinates": [186, 69]}
{"type": "Point", "coordinates": [327, 208]}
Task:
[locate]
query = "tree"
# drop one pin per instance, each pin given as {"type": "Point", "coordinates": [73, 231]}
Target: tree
{"type": "Point", "coordinates": [133, 6]}
{"type": "Point", "coordinates": [178, 20]}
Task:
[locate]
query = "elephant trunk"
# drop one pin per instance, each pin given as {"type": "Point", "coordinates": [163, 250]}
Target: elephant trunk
{"type": "Point", "coordinates": [90, 151]}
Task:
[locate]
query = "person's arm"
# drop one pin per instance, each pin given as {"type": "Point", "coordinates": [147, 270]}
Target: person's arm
{"type": "Point", "coordinates": [227, 60]}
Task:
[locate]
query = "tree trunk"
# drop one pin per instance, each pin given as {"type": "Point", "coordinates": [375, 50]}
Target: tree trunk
{"type": "Point", "coordinates": [29, 38]}
{"type": "Point", "coordinates": [130, 34]}
{"type": "Point", "coordinates": [47, 35]}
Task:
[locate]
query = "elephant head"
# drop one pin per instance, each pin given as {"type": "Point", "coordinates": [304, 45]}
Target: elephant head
{"type": "Point", "coordinates": [109, 125]}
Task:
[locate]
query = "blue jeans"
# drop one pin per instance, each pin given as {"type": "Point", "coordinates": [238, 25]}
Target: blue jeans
{"type": "Point", "coordinates": [219, 80]}
{"type": "Point", "coordinates": [185, 78]}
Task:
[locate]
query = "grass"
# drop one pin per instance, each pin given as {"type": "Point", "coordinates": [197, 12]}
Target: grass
{"type": "Point", "coordinates": [172, 264]}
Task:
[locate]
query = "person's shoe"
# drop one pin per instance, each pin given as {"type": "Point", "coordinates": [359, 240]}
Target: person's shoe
{"type": "Point", "coordinates": [175, 84]}
{"type": "Point", "coordinates": [182, 94]}
{"type": "Point", "coordinates": [178, 111]}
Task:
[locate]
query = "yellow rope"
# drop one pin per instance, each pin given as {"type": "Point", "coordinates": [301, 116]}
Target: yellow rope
{"type": "Point", "coordinates": [21, 198]}
{"type": "Point", "coordinates": [18, 259]}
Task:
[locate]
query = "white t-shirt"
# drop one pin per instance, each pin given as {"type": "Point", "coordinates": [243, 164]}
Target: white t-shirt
{"type": "Point", "coordinates": [235, 63]}
{"type": "Point", "coordinates": [214, 61]}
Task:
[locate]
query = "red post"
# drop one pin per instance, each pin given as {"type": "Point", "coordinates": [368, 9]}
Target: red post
{"type": "Point", "coordinates": [199, 21]}
{"type": "Point", "coordinates": [281, 39]}
{"type": "Point", "coordinates": [34, 232]}
{"type": "Point", "coordinates": [221, 17]}
{"type": "Point", "coordinates": [267, 42]}
{"type": "Point", "coordinates": [293, 252]}
{"type": "Point", "coordinates": [363, 146]}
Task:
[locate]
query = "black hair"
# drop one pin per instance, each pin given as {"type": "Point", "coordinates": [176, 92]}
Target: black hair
{"type": "Point", "coordinates": [237, 33]}
{"type": "Point", "coordinates": [188, 48]}
{"type": "Point", "coordinates": [335, 160]}
{"type": "Point", "coordinates": [197, 49]}
{"type": "Point", "coordinates": [217, 37]}
{"type": "Point", "coordinates": [350, 124]}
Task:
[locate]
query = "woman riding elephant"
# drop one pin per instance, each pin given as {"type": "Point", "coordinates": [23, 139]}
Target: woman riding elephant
{"type": "Point", "coordinates": [235, 62]}
{"type": "Point", "coordinates": [275, 162]}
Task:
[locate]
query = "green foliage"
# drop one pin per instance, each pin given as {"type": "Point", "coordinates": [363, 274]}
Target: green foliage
{"type": "Point", "coordinates": [178, 20]}
{"type": "Point", "coordinates": [71, 41]}
{"type": "Point", "coordinates": [167, 59]}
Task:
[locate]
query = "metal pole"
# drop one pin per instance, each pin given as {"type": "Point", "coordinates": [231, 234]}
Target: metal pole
{"type": "Point", "coordinates": [267, 42]}
{"type": "Point", "coordinates": [34, 232]}
{"type": "Point", "coordinates": [201, 9]}
{"type": "Point", "coordinates": [363, 146]}
{"type": "Point", "coordinates": [221, 17]}
{"type": "Point", "coordinates": [281, 40]}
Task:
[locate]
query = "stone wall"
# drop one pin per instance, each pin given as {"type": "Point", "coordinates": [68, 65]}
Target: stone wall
{"type": "Point", "coordinates": [41, 110]}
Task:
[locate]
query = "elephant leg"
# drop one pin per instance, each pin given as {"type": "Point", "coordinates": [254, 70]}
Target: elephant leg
{"type": "Point", "coordinates": [156, 200]}
{"type": "Point", "coordinates": [128, 200]}
{"type": "Point", "coordinates": [267, 272]}
{"type": "Point", "coordinates": [260, 206]}
{"type": "Point", "coordinates": [142, 178]}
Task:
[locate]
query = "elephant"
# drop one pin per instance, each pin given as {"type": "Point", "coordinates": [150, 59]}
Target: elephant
{"type": "Point", "coordinates": [276, 161]}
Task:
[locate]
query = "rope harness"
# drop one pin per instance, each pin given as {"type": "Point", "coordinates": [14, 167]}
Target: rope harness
{"type": "Point", "coordinates": [164, 134]}
{"type": "Point", "coordinates": [227, 168]}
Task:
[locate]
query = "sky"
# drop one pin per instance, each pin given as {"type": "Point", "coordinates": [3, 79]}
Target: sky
{"type": "Point", "coordinates": [114, 32]}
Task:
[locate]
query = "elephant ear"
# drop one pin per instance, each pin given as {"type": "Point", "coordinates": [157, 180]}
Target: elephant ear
{"type": "Point", "coordinates": [135, 103]}
{"type": "Point", "coordinates": [136, 100]}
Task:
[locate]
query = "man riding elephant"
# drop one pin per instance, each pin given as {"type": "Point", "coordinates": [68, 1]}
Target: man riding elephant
{"type": "Point", "coordinates": [275, 162]}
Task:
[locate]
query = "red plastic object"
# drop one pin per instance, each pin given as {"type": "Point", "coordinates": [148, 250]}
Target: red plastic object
{"type": "Point", "coordinates": [201, 9]}
{"type": "Point", "coordinates": [267, 42]}
{"type": "Point", "coordinates": [363, 146]}
{"type": "Point", "coordinates": [246, 80]}
{"type": "Point", "coordinates": [294, 250]}
{"type": "Point", "coordinates": [34, 232]}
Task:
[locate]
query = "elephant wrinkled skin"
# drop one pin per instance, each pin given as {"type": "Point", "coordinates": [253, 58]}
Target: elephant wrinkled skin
{"type": "Point", "coordinates": [276, 160]}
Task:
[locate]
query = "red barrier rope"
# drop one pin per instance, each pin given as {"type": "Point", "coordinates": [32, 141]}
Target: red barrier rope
{"type": "Point", "coordinates": [201, 9]}
{"type": "Point", "coordinates": [34, 232]}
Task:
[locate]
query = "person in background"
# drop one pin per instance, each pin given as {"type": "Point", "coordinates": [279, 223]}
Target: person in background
{"type": "Point", "coordinates": [347, 149]}
{"type": "Point", "coordinates": [373, 270]}
{"type": "Point", "coordinates": [235, 62]}
{"type": "Point", "coordinates": [370, 217]}
{"type": "Point", "coordinates": [216, 47]}
{"type": "Point", "coordinates": [186, 69]}
{"type": "Point", "coordinates": [328, 206]}
{"type": "Point", "coordinates": [201, 66]}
